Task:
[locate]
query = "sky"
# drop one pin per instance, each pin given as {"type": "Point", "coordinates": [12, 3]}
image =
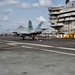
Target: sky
{"type": "Point", "coordinates": [15, 13]}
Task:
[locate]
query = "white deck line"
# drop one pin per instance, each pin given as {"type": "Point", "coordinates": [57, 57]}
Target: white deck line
{"type": "Point", "coordinates": [46, 50]}
{"type": "Point", "coordinates": [27, 47]}
{"type": "Point", "coordinates": [64, 53]}
{"type": "Point", "coordinates": [12, 44]}
{"type": "Point", "coordinates": [73, 49]}
{"type": "Point", "coordinates": [70, 49]}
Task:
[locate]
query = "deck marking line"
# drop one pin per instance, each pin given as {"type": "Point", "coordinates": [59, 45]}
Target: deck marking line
{"type": "Point", "coordinates": [64, 53]}
{"type": "Point", "coordinates": [27, 47]}
{"type": "Point", "coordinates": [47, 49]}
{"type": "Point", "coordinates": [45, 46]}
{"type": "Point", "coordinates": [48, 46]}
{"type": "Point", "coordinates": [12, 44]}
{"type": "Point", "coordinates": [58, 52]}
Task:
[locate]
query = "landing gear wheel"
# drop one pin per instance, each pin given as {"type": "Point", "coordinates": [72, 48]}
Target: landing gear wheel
{"type": "Point", "coordinates": [33, 38]}
{"type": "Point", "coordinates": [23, 37]}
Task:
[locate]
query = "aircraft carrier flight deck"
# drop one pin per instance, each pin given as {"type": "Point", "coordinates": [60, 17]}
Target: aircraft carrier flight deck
{"type": "Point", "coordinates": [37, 57]}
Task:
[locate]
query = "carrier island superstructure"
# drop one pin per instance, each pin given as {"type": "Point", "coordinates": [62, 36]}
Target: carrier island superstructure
{"type": "Point", "coordinates": [62, 18]}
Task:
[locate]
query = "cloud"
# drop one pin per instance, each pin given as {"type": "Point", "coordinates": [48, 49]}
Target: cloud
{"type": "Point", "coordinates": [4, 18]}
{"type": "Point", "coordinates": [35, 5]}
{"type": "Point", "coordinates": [7, 11]}
{"type": "Point", "coordinates": [40, 3]}
{"type": "Point", "coordinates": [22, 22]}
{"type": "Point", "coordinates": [2, 4]}
{"type": "Point", "coordinates": [41, 18]}
{"type": "Point", "coordinates": [13, 1]}
{"type": "Point", "coordinates": [8, 2]}
{"type": "Point", "coordinates": [45, 2]}
{"type": "Point", "coordinates": [26, 5]}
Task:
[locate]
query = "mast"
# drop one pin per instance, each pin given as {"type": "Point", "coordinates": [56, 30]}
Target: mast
{"type": "Point", "coordinates": [67, 3]}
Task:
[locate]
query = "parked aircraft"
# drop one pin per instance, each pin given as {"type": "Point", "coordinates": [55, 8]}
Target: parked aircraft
{"type": "Point", "coordinates": [23, 32]}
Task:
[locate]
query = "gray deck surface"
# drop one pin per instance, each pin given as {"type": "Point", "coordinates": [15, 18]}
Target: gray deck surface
{"type": "Point", "coordinates": [26, 57]}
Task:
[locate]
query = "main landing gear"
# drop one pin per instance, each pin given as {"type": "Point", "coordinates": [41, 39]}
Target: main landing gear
{"type": "Point", "coordinates": [23, 37]}
{"type": "Point", "coordinates": [33, 37]}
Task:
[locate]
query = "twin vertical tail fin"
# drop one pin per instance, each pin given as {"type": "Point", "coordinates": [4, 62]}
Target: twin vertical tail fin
{"type": "Point", "coordinates": [30, 27]}
{"type": "Point", "coordinates": [38, 27]}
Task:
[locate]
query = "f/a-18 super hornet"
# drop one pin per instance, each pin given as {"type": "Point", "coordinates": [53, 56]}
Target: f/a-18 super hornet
{"type": "Point", "coordinates": [23, 32]}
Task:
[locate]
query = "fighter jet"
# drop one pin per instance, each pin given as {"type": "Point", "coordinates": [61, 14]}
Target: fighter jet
{"type": "Point", "coordinates": [23, 32]}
